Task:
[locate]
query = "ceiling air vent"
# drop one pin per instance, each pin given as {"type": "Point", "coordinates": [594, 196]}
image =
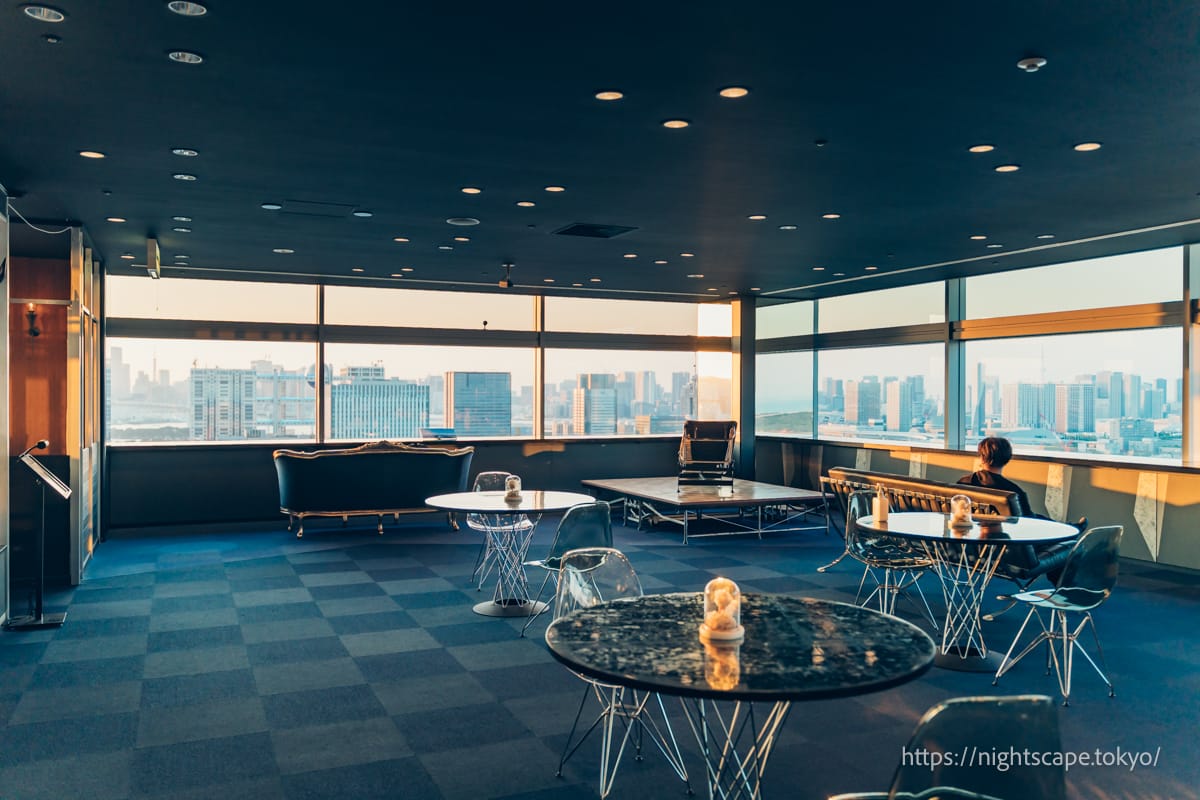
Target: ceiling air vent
{"type": "Point", "coordinates": [594, 231]}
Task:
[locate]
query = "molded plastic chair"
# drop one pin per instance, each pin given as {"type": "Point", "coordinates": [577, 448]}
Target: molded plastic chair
{"type": "Point", "coordinates": [894, 564]}
{"type": "Point", "coordinates": [586, 525]}
{"type": "Point", "coordinates": [1087, 580]}
{"type": "Point", "coordinates": [587, 577]}
{"type": "Point", "coordinates": [990, 733]}
{"type": "Point", "coordinates": [488, 525]}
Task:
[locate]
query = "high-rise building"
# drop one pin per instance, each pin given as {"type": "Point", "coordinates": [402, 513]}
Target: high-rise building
{"type": "Point", "coordinates": [118, 375]}
{"type": "Point", "coordinates": [1075, 408]}
{"type": "Point", "coordinates": [905, 402]}
{"type": "Point", "coordinates": [284, 401]}
{"type": "Point", "coordinates": [479, 403]}
{"type": "Point", "coordinates": [222, 403]}
{"type": "Point", "coordinates": [1028, 405]}
{"type": "Point", "coordinates": [366, 404]}
{"type": "Point", "coordinates": [862, 400]}
{"type": "Point", "coordinates": [595, 405]}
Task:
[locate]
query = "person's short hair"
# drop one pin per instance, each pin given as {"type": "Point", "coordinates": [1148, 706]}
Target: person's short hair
{"type": "Point", "coordinates": [995, 451]}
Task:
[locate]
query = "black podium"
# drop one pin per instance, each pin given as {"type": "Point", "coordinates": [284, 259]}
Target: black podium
{"type": "Point", "coordinates": [37, 618]}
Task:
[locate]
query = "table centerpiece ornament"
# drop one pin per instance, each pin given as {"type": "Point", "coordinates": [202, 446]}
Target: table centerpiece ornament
{"type": "Point", "coordinates": [722, 611]}
{"type": "Point", "coordinates": [960, 512]}
{"type": "Point", "coordinates": [512, 488]}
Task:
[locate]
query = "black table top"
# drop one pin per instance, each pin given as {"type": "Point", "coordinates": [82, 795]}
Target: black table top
{"type": "Point", "coordinates": [667, 491]}
{"type": "Point", "coordinates": [932, 525]}
{"type": "Point", "coordinates": [795, 648]}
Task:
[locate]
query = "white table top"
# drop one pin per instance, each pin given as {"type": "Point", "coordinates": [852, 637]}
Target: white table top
{"type": "Point", "coordinates": [532, 500]}
{"type": "Point", "coordinates": [932, 525]}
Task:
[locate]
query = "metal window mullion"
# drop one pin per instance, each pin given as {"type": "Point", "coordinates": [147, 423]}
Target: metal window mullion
{"type": "Point", "coordinates": [319, 387]}
{"type": "Point", "coordinates": [955, 387]}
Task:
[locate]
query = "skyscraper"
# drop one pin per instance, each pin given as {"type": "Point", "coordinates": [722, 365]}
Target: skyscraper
{"type": "Point", "coordinates": [222, 403]}
{"type": "Point", "coordinates": [595, 406]}
{"type": "Point", "coordinates": [1075, 408]}
{"type": "Point", "coordinates": [862, 400]}
{"type": "Point", "coordinates": [365, 404]}
{"type": "Point", "coordinates": [479, 403]}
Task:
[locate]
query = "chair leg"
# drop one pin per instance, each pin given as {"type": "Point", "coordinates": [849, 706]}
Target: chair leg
{"type": "Point", "coordinates": [844, 553]}
{"type": "Point", "coordinates": [1008, 662]}
{"type": "Point", "coordinates": [538, 598]}
{"type": "Point", "coordinates": [1087, 620]}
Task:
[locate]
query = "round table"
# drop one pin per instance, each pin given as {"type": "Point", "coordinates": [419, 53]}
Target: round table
{"type": "Point", "coordinates": [794, 648]}
{"type": "Point", "coordinates": [965, 561]}
{"type": "Point", "coordinates": [509, 542]}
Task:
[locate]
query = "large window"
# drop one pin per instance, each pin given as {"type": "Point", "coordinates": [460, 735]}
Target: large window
{"type": "Point", "coordinates": [225, 301]}
{"type": "Point", "coordinates": [1113, 393]}
{"type": "Point", "coordinates": [885, 308]}
{"type": "Point", "coordinates": [882, 393]}
{"type": "Point", "coordinates": [783, 401]}
{"type": "Point", "coordinates": [165, 390]}
{"type": "Point", "coordinates": [416, 308]}
{"type": "Point", "coordinates": [784, 319]}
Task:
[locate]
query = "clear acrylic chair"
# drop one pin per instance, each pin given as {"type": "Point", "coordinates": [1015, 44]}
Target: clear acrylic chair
{"type": "Point", "coordinates": [989, 734]}
{"type": "Point", "coordinates": [586, 525]}
{"type": "Point", "coordinates": [894, 564]}
{"type": "Point", "coordinates": [489, 525]}
{"type": "Point", "coordinates": [1087, 580]}
{"type": "Point", "coordinates": [586, 577]}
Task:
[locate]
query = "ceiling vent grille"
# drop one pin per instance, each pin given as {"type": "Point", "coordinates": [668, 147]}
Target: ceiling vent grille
{"type": "Point", "coordinates": [593, 231]}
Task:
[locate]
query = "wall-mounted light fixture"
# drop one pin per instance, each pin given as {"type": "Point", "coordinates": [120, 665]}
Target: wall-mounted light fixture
{"type": "Point", "coordinates": [31, 315]}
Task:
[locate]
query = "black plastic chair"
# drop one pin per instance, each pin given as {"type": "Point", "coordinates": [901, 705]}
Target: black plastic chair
{"type": "Point", "coordinates": [1087, 580]}
{"type": "Point", "coordinates": [989, 734]}
{"type": "Point", "coordinates": [894, 564]}
{"type": "Point", "coordinates": [587, 525]}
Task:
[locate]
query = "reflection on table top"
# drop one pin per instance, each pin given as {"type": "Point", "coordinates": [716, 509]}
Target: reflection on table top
{"type": "Point", "coordinates": [795, 648]}
{"type": "Point", "coordinates": [495, 502]}
{"type": "Point", "coordinates": [932, 525]}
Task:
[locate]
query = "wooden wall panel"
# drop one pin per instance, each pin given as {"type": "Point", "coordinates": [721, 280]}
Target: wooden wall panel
{"type": "Point", "coordinates": [38, 365]}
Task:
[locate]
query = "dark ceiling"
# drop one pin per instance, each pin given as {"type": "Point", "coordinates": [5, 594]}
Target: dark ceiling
{"type": "Point", "coordinates": [866, 110]}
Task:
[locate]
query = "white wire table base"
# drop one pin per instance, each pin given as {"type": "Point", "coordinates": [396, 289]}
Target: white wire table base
{"type": "Point", "coordinates": [508, 544]}
{"type": "Point", "coordinates": [964, 571]}
{"type": "Point", "coordinates": [630, 707]}
{"type": "Point", "coordinates": [735, 746]}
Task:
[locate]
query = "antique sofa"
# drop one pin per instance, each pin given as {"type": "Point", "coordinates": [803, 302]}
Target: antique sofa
{"type": "Point", "coordinates": [374, 479]}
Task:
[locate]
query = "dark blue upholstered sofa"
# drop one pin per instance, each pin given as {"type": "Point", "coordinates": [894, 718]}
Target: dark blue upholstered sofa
{"type": "Point", "coordinates": [377, 478]}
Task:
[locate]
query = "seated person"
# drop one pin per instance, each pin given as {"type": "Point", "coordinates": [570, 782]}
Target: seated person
{"type": "Point", "coordinates": [1020, 563]}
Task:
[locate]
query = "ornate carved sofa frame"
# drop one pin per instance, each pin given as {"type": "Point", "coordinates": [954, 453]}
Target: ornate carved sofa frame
{"type": "Point", "coordinates": [377, 478]}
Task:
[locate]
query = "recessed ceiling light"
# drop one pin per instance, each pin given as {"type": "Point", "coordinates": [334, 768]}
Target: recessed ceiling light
{"type": "Point", "coordinates": [609, 95]}
{"type": "Point", "coordinates": [445, 247]}
{"type": "Point", "coordinates": [183, 176]}
{"type": "Point", "coordinates": [272, 206]}
{"type": "Point", "coordinates": [182, 219]}
{"type": "Point", "coordinates": [594, 280]}
{"type": "Point", "coordinates": [696, 275]}
{"type": "Point", "coordinates": [357, 269]}
{"type": "Point", "coordinates": [787, 227]}
{"type": "Point", "coordinates": [396, 275]}
{"type": "Point", "coordinates": [462, 222]}
{"type": "Point", "coordinates": [401, 239]}
{"type": "Point", "coordinates": [1087, 147]}
{"type": "Point", "coordinates": [731, 293]}
{"type": "Point", "coordinates": [186, 152]}
{"type": "Point", "coordinates": [472, 190]}
{"type": "Point", "coordinates": [661, 261]}
{"type": "Point", "coordinates": [115, 219]}
{"type": "Point", "coordinates": [186, 9]}
{"type": "Point", "coordinates": [734, 91]}
{"type": "Point", "coordinates": [1045, 236]}
{"type": "Point", "coordinates": [50, 38]}
{"type": "Point", "coordinates": [526, 203]}
{"type": "Point", "coordinates": [831, 216]}
{"type": "Point", "coordinates": [44, 13]}
{"type": "Point", "coordinates": [995, 246]}
{"type": "Point", "coordinates": [462, 238]}
{"type": "Point", "coordinates": [406, 269]}
{"type": "Point", "coordinates": [755, 289]}
{"type": "Point", "coordinates": [979, 237]}
{"type": "Point", "coordinates": [675, 124]}
{"type": "Point", "coordinates": [818, 269]}
{"type": "Point", "coordinates": [757, 217]}
{"type": "Point", "coordinates": [182, 256]}
{"type": "Point", "coordinates": [185, 57]}
{"type": "Point", "coordinates": [127, 256]}
{"type": "Point", "coordinates": [551, 280]}
{"type": "Point", "coordinates": [577, 284]}
{"type": "Point", "coordinates": [1008, 168]}
{"type": "Point", "coordinates": [283, 251]}
{"type": "Point", "coordinates": [182, 230]}
{"type": "Point", "coordinates": [630, 255]}
{"type": "Point", "coordinates": [870, 268]}
{"type": "Point", "coordinates": [687, 255]}
{"type": "Point", "coordinates": [711, 289]}
{"type": "Point", "coordinates": [981, 148]}
{"type": "Point", "coordinates": [92, 154]}
{"type": "Point", "coordinates": [839, 274]}
{"type": "Point", "coordinates": [556, 188]}
{"type": "Point", "coordinates": [1031, 64]}
{"type": "Point", "coordinates": [363, 214]}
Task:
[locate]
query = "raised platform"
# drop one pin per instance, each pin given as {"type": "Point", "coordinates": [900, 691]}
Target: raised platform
{"type": "Point", "coordinates": [744, 507]}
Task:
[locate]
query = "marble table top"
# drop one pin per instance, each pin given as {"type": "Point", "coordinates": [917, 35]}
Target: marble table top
{"type": "Point", "coordinates": [932, 525]}
{"type": "Point", "coordinates": [531, 500]}
{"type": "Point", "coordinates": [795, 648]}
